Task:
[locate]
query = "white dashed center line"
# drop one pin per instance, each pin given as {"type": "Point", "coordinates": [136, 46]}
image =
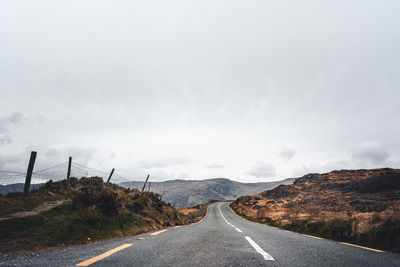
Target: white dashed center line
{"type": "Point", "coordinates": [265, 255]}
{"type": "Point", "coordinates": [237, 229]}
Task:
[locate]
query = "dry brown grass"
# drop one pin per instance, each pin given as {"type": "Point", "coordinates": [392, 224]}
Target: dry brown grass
{"type": "Point", "coordinates": [187, 211]}
{"type": "Point", "coordinates": [365, 204]}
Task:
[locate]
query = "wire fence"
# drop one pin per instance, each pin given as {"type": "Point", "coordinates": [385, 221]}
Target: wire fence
{"type": "Point", "coordinates": [14, 181]}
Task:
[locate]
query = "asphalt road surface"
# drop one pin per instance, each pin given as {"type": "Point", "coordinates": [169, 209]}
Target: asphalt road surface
{"type": "Point", "coordinates": [221, 239]}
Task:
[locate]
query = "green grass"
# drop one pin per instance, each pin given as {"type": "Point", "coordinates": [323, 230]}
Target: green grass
{"type": "Point", "coordinates": [97, 211]}
{"type": "Point", "coordinates": [17, 202]}
{"type": "Point", "coordinates": [66, 225]}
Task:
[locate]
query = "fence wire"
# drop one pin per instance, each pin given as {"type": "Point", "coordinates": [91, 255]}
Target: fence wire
{"type": "Point", "coordinates": [13, 181]}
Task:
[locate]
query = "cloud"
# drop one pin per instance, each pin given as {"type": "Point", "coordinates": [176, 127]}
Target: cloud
{"type": "Point", "coordinates": [12, 162]}
{"type": "Point", "coordinates": [61, 152]}
{"type": "Point", "coordinates": [161, 163]}
{"type": "Point", "coordinates": [262, 170]}
{"type": "Point", "coordinates": [5, 123]}
{"type": "Point", "coordinates": [9, 120]}
{"type": "Point", "coordinates": [215, 166]}
{"type": "Point", "coordinates": [193, 95]}
{"type": "Point", "coordinates": [371, 154]}
{"type": "Point", "coordinates": [5, 139]}
{"type": "Point", "coordinates": [14, 118]}
{"type": "Point", "coordinates": [287, 153]}
{"type": "Point", "coordinates": [317, 167]}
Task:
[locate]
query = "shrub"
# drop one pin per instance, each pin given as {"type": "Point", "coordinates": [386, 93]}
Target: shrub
{"type": "Point", "coordinates": [98, 197]}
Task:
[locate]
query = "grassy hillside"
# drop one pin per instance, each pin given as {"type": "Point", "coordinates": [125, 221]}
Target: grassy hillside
{"type": "Point", "coordinates": [361, 206]}
{"type": "Point", "coordinates": [92, 211]}
{"type": "Point", "coordinates": [186, 193]}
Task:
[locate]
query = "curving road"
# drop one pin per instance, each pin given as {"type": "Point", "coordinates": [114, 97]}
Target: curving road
{"type": "Point", "coordinates": [221, 239]}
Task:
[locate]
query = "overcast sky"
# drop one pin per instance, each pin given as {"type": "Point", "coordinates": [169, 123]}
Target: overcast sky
{"type": "Point", "coordinates": [248, 90]}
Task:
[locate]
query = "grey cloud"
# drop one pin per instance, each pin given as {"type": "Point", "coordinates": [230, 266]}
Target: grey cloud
{"type": "Point", "coordinates": [215, 166]}
{"type": "Point", "coordinates": [316, 167]}
{"type": "Point", "coordinates": [14, 118]}
{"type": "Point", "coordinates": [60, 153]}
{"type": "Point", "coordinates": [161, 163]}
{"type": "Point", "coordinates": [5, 139]}
{"type": "Point", "coordinates": [47, 156]}
{"type": "Point", "coordinates": [371, 154]}
{"type": "Point", "coordinates": [285, 73]}
{"type": "Point", "coordinates": [156, 174]}
{"type": "Point", "coordinates": [262, 170]}
{"type": "Point", "coordinates": [9, 120]}
{"type": "Point", "coordinates": [287, 153]}
{"type": "Point", "coordinates": [5, 124]}
{"type": "Point", "coordinates": [12, 162]}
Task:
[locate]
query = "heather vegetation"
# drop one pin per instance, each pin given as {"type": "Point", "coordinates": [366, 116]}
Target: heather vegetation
{"type": "Point", "coordinates": [361, 207]}
{"type": "Point", "coordinates": [91, 211]}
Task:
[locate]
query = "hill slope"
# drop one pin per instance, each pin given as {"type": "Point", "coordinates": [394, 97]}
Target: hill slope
{"type": "Point", "coordinates": [185, 193]}
{"type": "Point", "coordinates": [361, 206]}
{"type": "Point", "coordinates": [88, 210]}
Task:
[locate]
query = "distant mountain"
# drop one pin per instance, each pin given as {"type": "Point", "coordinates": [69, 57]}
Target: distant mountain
{"type": "Point", "coordinates": [11, 188]}
{"type": "Point", "coordinates": [185, 193]}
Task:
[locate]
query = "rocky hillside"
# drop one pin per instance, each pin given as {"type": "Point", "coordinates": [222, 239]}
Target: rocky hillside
{"type": "Point", "coordinates": [186, 193]}
{"type": "Point", "coordinates": [361, 206]}
{"type": "Point", "coordinates": [80, 211]}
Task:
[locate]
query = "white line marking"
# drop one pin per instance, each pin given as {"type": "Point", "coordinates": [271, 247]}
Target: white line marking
{"type": "Point", "coordinates": [265, 255]}
{"type": "Point", "coordinates": [316, 237]}
{"type": "Point", "coordinates": [223, 217]}
{"type": "Point", "coordinates": [159, 232]}
{"type": "Point", "coordinates": [237, 229]}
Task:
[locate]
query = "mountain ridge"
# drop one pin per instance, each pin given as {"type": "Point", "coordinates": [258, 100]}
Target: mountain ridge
{"type": "Point", "coordinates": [185, 193]}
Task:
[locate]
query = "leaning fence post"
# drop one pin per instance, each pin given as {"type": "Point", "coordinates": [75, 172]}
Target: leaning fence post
{"type": "Point", "coordinates": [69, 167]}
{"type": "Point", "coordinates": [29, 172]}
{"type": "Point", "coordinates": [109, 177]}
{"type": "Point", "coordinates": [145, 182]}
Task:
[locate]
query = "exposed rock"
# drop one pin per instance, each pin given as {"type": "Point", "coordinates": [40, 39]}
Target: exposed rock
{"type": "Point", "coordinates": [244, 199]}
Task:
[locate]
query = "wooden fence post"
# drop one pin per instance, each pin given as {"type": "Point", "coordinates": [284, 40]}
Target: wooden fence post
{"type": "Point", "coordinates": [148, 190]}
{"type": "Point", "coordinates": [69, 168]}
{"type": "Point", "coordinates": [29, 172]}
{"type": "Point", "coordinates": [145, 182]}
{"type": "Point", "coordinates": [109, 177]}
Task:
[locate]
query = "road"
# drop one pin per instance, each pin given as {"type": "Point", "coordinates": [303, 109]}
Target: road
{"type": "Point", "coordinates": [221, 239]}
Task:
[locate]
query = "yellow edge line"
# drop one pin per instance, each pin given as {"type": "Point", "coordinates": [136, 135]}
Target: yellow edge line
{"type": "Point", "coordinates": [372, 249]}
{"type": "Point", "coordinates": [104, 255]}
{"type": "Point", "coordinates": [316, 237]}
{"type": "Point", "coordinates": [159, 232]}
